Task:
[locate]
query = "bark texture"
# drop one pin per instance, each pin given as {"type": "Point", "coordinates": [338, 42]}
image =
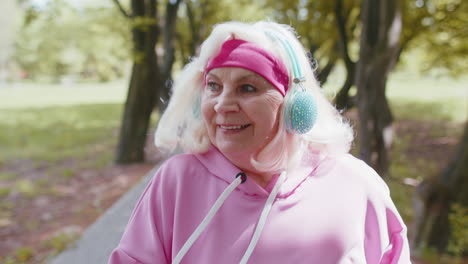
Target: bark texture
{"type": "Point", "coordinates": [343, 101]}
{"type": "Point", "coordinates": [379, 45]}
{"type": "Point", "coordinates": [168, 56]}
{"type": "Point", "coordinates": [435, 197]}
{"type": "Point", "coordinates": [143, 83]}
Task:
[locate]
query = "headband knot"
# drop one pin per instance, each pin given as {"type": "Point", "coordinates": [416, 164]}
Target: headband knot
{"type": "Point", "coordinates": [243, 54]}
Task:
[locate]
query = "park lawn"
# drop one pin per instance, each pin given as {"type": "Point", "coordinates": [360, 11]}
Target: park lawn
{"type": "Point", "coordinates": [56, 165]}
{"type": "Point", "coordinates": [44, 152]}
{"type": "Point", "coordinates": [56, 143]}
{"type": "Point", "coordinates": [33, 95]}
{"type": "Point", "coordinates": [54, 133]}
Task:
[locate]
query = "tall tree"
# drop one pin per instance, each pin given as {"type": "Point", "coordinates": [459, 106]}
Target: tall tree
{"type": "Point", "coordinates": [9, 26]}
{"type": "Point", "coordinates": [197, 17]}
{"type": "Point", "coordinates": [436, 197]}
{"type": "Point", "coordinates": [314, 22]}
{"type": "Point", "coordinates": [343, 18]}
{"type": "Point", "coordinates": [379, 46]}
{"type": "Point", "coordinates": [93, 42]}
{"type": "Point", "coordinates": [168, 56]}
{"type": "Point", "coordinates": [143, 82]}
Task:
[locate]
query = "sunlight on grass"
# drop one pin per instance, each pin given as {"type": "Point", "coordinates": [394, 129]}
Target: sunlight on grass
{"type": "Point", "coordinates": [54, 133]}
{"type": "Point", "coordinates": [420, 94]}
{"type": "Point", "coordinates": [26, 95]}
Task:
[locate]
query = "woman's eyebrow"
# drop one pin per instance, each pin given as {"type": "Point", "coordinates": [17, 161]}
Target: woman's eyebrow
{"type": "Point", "coordinates": [212, 74]}
{"type": "Point", "coordinates": [250, 75]}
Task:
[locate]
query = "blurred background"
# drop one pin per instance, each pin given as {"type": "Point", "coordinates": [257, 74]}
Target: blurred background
{"type": "Point", "coordinates": [82, 84]}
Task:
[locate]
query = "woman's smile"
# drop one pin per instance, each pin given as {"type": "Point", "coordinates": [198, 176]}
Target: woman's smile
{"type": "Point", "coordinates": [240, 110]}
{"type": "Point", "coordinates": [232, 129]}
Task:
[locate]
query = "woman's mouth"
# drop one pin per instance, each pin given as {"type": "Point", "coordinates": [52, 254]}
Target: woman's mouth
{"type": "Point", "coordinates": [233, 128]}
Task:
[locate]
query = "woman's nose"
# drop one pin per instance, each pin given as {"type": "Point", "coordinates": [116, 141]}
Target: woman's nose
{"type": "Point", "coordinates": [226, 103]}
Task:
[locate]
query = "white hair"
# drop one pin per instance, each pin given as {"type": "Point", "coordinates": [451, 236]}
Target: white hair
{"type": "Point", "coordinates": [181, 125]}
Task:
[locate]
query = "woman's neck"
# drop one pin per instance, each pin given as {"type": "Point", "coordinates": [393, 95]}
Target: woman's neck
{"type": "Point", "coordinates": [244, 163]}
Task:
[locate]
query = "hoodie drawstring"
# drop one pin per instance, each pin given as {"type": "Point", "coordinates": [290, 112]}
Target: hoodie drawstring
{"type": "Point", "coordinates": [240, 178]}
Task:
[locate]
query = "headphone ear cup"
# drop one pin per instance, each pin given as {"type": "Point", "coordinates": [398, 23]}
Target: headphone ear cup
{"type": "Point", "coordinates": [300, 112]}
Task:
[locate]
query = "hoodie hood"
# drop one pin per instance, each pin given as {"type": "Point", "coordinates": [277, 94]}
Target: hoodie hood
{"type": "Point", "coordinates": [221, 167]}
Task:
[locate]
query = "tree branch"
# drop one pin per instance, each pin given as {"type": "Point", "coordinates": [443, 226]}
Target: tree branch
{"type": "Point", "coordinates": [122, 10]}
{"type": "Point", "coordinates": [343, 38]}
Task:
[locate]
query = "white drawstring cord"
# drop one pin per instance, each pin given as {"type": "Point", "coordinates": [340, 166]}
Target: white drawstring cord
{"type": "Point", "coordinates": [214, 209]}
{"type": "Point", "coordinates": [207, 218]}
{"type": "Point", "coordinates": [262, 220]}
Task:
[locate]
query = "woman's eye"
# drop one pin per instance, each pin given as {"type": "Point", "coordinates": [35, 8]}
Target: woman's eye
{"type": "Point", "coordinates": [247, 88]}
{"type": "Point", "coordinates": [212, 86]}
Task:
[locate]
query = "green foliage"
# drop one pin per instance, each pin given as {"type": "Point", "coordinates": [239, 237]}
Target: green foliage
{"type": "Point", "coordinates": [458, 244]}
{"type": "Point", "coordinates": [60, 40]}
{"type": "Point", "coordinates": [59, 242]}
{"type": "Point", "coordinates": [24, 254]}
{"type": "Point", "coordinates": [438, 28]}
{"type": "Point", "coordinates": [4, 191]}
{"type": "Point", "coordinates": [68, 173]}
{"type": "Point", "coordinates": [6, 176]}
{"type": "Point", "coordinates": [143, 23]}
{"type": "Point", "coordinates": [15, 260]}
{"type": "Point", "coordinates": [315, 22]}
{"type": "Point", "coordinates": [27, 188]}
{"type": "Point", "coordinates": [197, 17]}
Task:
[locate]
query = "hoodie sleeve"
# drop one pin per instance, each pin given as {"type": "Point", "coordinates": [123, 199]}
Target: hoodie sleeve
{"type": "Point", "coordinates": [144, 240]}
{"type": "Point", "coordinates": [385, 240]}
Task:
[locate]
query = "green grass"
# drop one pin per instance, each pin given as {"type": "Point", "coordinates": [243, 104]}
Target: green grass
{"type": "Point", "coordinates": [419, 96]}
{"type": "Point", "coordinates": [58, 132]}
{"type": "Point", "coordinates": [36, 95]}
{"type": "Point", "coordinates": [51, 122]}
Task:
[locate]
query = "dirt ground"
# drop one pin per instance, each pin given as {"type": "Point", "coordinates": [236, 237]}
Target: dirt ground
{"type": "Point", "coordinates": [67, 198]}
{"type": "Point", "coordinates": [35, 227]}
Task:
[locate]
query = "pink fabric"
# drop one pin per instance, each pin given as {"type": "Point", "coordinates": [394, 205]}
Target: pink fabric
{"type": "Point", "coordinates": [242, 54]}
{"type": "Point", "coordinates": [335, 210]}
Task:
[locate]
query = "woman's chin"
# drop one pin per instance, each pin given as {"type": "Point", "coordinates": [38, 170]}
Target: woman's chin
{"type": "Point", "coordinates": [238, 151]}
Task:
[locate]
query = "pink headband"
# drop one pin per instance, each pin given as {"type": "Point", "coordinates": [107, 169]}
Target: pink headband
{"type": "Point", "coordinates": [242, 54]}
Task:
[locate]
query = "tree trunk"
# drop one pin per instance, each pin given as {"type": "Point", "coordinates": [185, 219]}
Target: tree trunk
{"type": "Point", "coordinates": [434, 200]}
{"type": "Point", "coordinates": [169, 54]}
{"type": "Point", "coordinates": [143, 83]}
{"type": "Point", "coordinates": [197, 26]}
{"type": "Point", "coordinates": [342, 100]}
{"type": "Point", "coordinates": [381, 29]}
{"type": "Point", "coordinates": [195, 41]}
{"type": "Point", "coordinates": [323, 73]}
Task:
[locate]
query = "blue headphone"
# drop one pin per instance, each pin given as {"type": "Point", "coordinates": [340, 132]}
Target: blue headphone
{"type": "Point", "coordinates": [300, 108]}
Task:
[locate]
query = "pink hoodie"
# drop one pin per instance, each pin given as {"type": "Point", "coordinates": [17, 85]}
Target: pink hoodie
{"type": "Point", "coordinates": [333, 210]}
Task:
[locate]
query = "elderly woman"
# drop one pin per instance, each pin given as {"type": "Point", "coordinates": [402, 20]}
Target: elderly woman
{"type": "Point", "coordinates": [266, 177]}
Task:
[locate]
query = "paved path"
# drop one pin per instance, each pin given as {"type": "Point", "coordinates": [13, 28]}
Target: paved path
{"type": "Point", "coordinates": [98, 241]}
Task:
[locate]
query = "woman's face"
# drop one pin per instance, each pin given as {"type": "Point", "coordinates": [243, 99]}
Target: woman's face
{"type": "Point", "coordinates": [240, 109]}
